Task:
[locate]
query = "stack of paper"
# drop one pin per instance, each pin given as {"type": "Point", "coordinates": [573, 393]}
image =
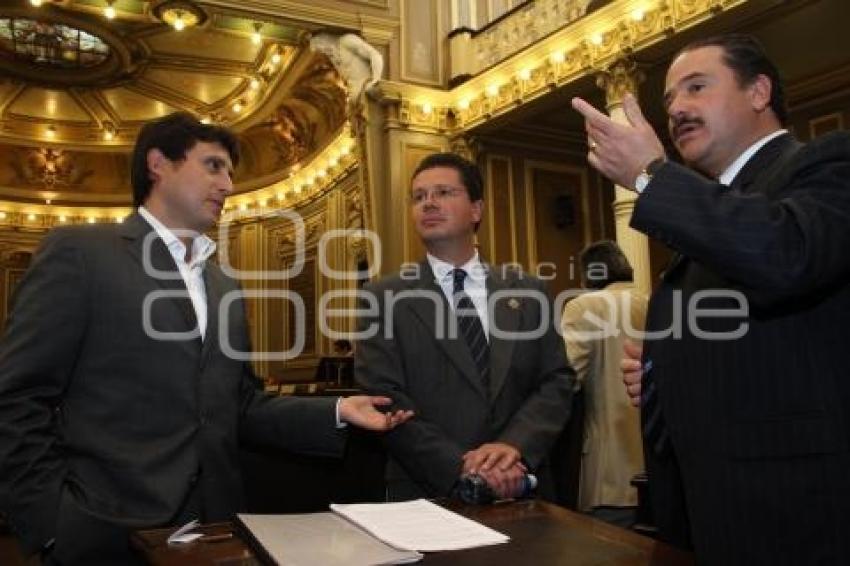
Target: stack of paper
{"type": "Point", "coordinates": [419, 525]}
{"type": "Point", "coordinates": [317, 538]}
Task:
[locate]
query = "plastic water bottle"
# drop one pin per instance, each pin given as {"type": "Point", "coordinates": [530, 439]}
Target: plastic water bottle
{"type": "Point", "coordinates": [474, 489]}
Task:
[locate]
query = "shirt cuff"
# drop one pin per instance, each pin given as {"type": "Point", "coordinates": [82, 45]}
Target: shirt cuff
{"type": "Point", "coordinates": [339, 423]}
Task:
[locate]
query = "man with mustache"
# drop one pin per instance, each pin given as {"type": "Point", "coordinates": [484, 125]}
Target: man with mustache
{"type": "Point", "coordinates": [470, 347]}
{"type": "Point", "coordinates": [121, 404]}
{"type": "Point", "coordinates": [746, 411]}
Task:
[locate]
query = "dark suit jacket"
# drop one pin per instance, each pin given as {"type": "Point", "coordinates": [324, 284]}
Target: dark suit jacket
{"type": "Point", "coordinates": [435, 375]}
{"type": "Point", "coordinates": [760, 424]}
{"type": "Point", "coordinates": [101, 422]}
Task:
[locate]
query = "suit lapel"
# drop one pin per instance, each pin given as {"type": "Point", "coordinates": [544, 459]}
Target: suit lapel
{"type": "Point", "coordinates": [425, 309]}
{"type": "Point", "coordinates": [764, 163]}
{"type": "Point", "coordinates": [214, 290]}
{"type": "Point", "coordinates": [507, 314]}
{"type": "Point", "coordinates": [751, 178]}
{"type": "Point", "coordinates": [158, 264]}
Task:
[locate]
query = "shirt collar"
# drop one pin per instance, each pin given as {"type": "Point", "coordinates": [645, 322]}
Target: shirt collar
{"type": "Point", "coordinates": [732, 171]}
{"type": "Point", "coordinates": [475, 270]}
{"type": "Point", "coordinates": [202, 245]}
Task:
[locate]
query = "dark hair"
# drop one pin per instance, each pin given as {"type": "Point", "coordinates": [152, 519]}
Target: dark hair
{"type": "Point", "coordinates": [746, 57]}
{"type": "Point", "coordinates": [604, 256]}
{"type": "Point", "coordinates": [469, 173]}
{"type": "Point", "coordinates": [174, 135]}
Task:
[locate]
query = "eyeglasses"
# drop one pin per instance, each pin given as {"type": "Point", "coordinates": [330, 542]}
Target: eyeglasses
{"type": "Point", "coordinates": [439, 192]}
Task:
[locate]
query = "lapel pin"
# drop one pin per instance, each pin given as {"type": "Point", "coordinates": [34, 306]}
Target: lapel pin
{"type": "Point", "coordinates": [513, 303]}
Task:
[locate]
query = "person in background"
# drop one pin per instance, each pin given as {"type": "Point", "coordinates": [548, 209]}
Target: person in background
{"type": "Point", "coordinates": [595, 326]}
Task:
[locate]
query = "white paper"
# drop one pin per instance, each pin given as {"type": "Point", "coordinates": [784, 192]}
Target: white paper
{"type": "Point", "coordinates": [419, 525]}
{"type": "Point", "coordinates": [321, 538]}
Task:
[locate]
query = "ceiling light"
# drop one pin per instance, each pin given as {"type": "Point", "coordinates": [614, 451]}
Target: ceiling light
{"type": "Point", "coordinates": [426, 108]}
{"type": "Point", "coordinates": [109, 10]}
{"type": "Point", "coordinates": [2, 215]}
{"type": "Point", "coordinates": [492, 90]}
{"type": "Point", "coordinates": [255, 84]}
{"type": "Point", "coordinates": [557, 57]}
{"type": "Point", "coordinates": [275, 58]}
{"type": "Point", "coordinates": [51, 131]}
{"type": "Point", "coordinates": [31, 217]}
{"type": "Point", "coordinates": [108, 131]}
{"type": "Point", "coordinates": [35, 3]}
{"type": "Point", "coordinates": [179, 14]}
{"type": "Point", "coordinates": [62, 218]}
{"type": "Point", "coordinates": [237, 107]}
{"type": "Point", "coordinates": [256, 37]}
{"type": "Point", "coordinates": [90, 220]}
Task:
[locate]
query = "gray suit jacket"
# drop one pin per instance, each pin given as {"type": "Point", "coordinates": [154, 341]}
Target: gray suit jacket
{"type": "Point", "coordinates": [433, 373]}
{"type": "Point", "coordinates": [100, 423]}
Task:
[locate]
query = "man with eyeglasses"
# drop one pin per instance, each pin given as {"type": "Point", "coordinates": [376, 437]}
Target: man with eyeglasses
{"type": "Point", "coordinates": [471, 347]}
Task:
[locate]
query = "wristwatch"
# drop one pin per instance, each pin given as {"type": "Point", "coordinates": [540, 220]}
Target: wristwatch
{"type": "Point", "coordinates": [645, 176]}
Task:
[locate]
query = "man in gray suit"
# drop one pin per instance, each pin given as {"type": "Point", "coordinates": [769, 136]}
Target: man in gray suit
{"type": "Point", "coordinates": [120, 407]}
{"type": "Point", "coordinates": [472, 348]}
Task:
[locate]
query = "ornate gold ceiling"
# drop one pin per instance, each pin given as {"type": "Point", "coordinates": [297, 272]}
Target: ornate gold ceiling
{"type": "Point", "coordinates": [75, 87]}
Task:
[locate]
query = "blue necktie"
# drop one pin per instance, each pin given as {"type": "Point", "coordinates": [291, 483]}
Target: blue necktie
{"type": "Point", "coordinates": [471, 328]}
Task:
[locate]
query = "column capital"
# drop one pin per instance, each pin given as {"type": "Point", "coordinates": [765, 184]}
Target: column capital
{"type": "Point", "coordinates": [620, 77]}
{"type": "Point", "coordinates": [466, 146]}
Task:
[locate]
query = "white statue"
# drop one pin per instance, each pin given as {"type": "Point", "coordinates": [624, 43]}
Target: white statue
{"type": "Point", "coordinates": [360, 64]}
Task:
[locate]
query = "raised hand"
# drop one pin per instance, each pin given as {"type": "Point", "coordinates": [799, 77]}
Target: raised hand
{"type": "Point", "coordinates": [619, 151]}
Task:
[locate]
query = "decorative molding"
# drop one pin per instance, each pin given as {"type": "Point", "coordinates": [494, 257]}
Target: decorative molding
{"type": "Point", "coordinates": [590, 44]}
{"type": "Point", "coordinates": [620, 78]}
{"type": "Point", "coordinates": [824, 124]}
{"type": "Point", "coordinates": [520, 29]}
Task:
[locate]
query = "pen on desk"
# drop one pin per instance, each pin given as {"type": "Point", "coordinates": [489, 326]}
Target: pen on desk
{"type": "Point", "coordinates": [216, 538]}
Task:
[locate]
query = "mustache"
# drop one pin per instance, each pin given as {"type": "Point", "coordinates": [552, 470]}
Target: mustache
{"type": "Point", "coordinates": [679, 122]}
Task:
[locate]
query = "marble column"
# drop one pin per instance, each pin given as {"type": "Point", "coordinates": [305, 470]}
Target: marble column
{"type": "Point", "coordinates": [622, 77]}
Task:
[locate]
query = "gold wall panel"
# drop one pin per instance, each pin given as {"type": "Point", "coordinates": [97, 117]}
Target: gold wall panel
{"type": "Point", "coordinates": [559, 205]}
{"type": "Point", "coordinates": [211, 44]}
{"type": "Point", "coordinates": [421, 44]}
{"type": "Point", "coordinates": [135, 106]}
{"type": "Point", "coordinates": [499, 220]}
{"type": "Point", "coordinates": [49, 104]}
{"type": "Point", "coordinates": [204, 87]}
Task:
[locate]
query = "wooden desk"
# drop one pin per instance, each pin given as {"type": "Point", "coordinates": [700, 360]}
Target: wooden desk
{"type": "Point", "coordinates": [541, 534]}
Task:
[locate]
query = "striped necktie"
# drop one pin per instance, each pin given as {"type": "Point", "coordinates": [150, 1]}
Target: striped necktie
{"type": "Point", "coordinates": [471, 328]}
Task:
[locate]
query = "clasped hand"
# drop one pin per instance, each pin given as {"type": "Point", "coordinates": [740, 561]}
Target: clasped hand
{"type": "Point", "coordinates": [500, 465]}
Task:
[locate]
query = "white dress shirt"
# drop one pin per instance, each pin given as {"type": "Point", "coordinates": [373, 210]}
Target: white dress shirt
{"type": "Point", "coordinates": [475, 285]}
{"type": "Point", "coordinates": [193, 271]}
